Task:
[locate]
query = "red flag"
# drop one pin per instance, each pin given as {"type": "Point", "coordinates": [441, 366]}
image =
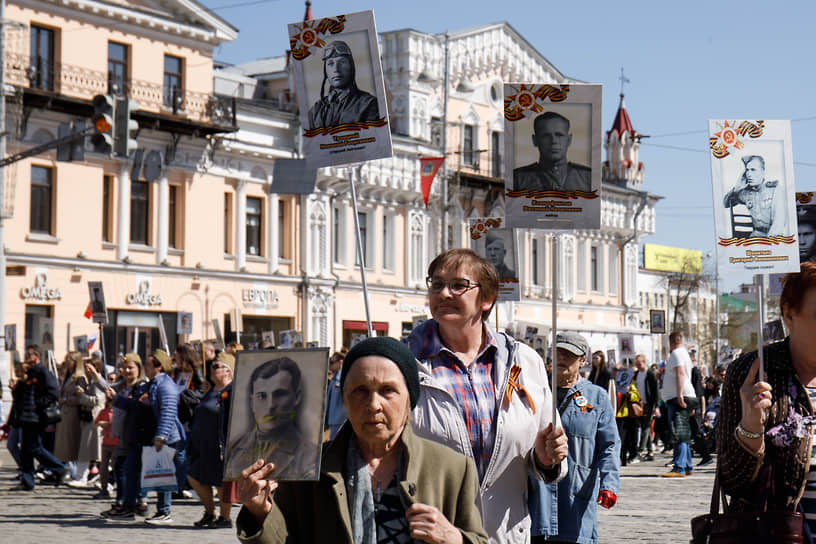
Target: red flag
{"type": "Point", "coordinates": [88, 314]}
{"type": "Point", "coordinates": [427, 170]}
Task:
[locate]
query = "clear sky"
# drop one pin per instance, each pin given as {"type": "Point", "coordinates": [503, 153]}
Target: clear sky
{"type": "Point", "coordinates": [686, 62]}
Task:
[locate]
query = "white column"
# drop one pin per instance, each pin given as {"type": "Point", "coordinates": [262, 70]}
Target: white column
{"type": "Point", "coordinates": [240, 226]}
{"type": "Point", "coordinates": [164, 218]}
{"type": "Point", "coordinates": [123, 219]}
{"type": "Point", "coordinates": [273, 234]}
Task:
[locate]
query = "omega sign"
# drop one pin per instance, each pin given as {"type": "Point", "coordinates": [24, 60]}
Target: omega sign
{"type": "Point", "coordinates": [143, 296]}
{"type": "Point", "coordinates": [40, 291]}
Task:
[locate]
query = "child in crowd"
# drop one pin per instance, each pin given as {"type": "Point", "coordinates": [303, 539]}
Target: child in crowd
{"type": "Point", "coordinates": [109, 443]}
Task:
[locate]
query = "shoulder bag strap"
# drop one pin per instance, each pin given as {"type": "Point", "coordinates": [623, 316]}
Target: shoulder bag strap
{"type": "Point", "coordinates": [716, 493]}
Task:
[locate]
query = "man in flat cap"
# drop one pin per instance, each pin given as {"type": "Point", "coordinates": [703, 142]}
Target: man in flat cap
{"type": "Point", "coordinates": [593, 452]}
{"type": "Point", "coordinates": [552, 172]}
{"type": "Point", "coordinates": [495, 253]}
{"type": "Point", "coordinates": [344, 102]}
{"type": "Point", "coordinates": [764, 199]}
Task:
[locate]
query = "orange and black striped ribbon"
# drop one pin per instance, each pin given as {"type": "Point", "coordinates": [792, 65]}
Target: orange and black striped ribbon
{"type": "Point", "coordinates": [512, 384]}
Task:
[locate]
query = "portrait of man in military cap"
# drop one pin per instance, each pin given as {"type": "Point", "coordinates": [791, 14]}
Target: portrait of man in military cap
{"type": "Point", "coordinates": [552, 172]}
{"type": "Point", "coordinates": [764, 198]}
{"type": "Point", "coordinates": [338, 81]}
{"type": "Point", "coordinates": [342, 102]}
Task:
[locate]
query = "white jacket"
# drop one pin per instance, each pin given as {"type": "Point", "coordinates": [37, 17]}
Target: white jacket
{"type": "Point", "coordinates": [503, 490]}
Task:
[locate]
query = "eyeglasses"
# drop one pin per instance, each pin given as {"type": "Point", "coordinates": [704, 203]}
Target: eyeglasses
{"type": "Point", "coordinates": [457, 286]}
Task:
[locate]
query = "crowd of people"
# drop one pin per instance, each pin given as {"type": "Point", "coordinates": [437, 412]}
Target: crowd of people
{"type": "Point", "coordinates": [106, 421]}
{"type": "Point", "coordinates": [447, 436]}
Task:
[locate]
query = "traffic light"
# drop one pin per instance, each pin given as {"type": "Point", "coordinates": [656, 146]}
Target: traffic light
{"type": "Point", "coordinates": [125, 128]}
{"type": "Point", "coordinates": [103, 121]}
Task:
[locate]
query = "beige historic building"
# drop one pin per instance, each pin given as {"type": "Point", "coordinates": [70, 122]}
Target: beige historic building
{"type": "Point", "coordinates": [157, 247]}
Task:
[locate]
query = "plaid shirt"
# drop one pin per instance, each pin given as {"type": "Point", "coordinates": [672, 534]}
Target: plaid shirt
{"type": "Point", "coordinates": [471, 387]}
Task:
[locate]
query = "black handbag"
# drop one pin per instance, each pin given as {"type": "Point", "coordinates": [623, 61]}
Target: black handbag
{"type": "Point", "coordinates": [85, 414]}
{"type": "Point", "coordinates": [766, 526]}
{"type": "Point", "coordinates": [51, 413]}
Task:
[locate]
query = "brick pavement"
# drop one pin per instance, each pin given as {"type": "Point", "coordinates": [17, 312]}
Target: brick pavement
{"type": "Point", "coordinates": [655, 510]}
{"type": "Point", "coordinates": [65, 515]}
{"type": "Point", "coordinates": [650, 509]}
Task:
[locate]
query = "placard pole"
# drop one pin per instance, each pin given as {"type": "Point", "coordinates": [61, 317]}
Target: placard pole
{"type": "Point", "coordinates": [553, 349]}
{"type": "Point", "coordinates": [102, 347]}
{"type": "Point", "coordinates": [360, 256]}
{"type": "Point", "coordinates": [759, 284]}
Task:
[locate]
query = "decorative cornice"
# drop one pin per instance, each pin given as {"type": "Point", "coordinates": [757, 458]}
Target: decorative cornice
{"type": "Point", "coordinates": [212, 30]}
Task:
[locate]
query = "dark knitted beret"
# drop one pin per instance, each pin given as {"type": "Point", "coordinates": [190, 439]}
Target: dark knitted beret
{"type": "Point", "coordinates": [391, 349]}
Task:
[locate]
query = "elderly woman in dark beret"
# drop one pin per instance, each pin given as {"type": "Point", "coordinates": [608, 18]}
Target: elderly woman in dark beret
{"type": "Point", "coordinates": [377, 479]}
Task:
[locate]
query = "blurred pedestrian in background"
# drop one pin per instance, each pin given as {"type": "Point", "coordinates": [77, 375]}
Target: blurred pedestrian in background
{"type": "Point", "coordinates": [205, 455]}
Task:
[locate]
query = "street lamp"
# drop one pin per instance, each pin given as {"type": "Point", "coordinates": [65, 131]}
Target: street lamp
{"type": "Point", "coordinates": [465, 86]}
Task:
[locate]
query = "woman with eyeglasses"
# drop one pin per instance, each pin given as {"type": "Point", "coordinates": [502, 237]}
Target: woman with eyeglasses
{"type": "Point", "coordinates": [205, 453]}
{"type": "Point", "coordinates": [484, 394]}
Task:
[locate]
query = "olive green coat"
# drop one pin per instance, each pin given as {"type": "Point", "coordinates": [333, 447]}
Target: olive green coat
{"type": "Point", "coordinates": [306, 512]}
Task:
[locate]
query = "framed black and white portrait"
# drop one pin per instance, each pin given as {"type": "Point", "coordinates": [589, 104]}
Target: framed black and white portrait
{"type": "Point", "coordinates": [340, 90]}
{"type": "Point", "coordinates": [627, 346]}
{"type": "Point", "coordinates": [81, 344]}
{"type": "Point", "coordinates": [184, 322]}
{"type": "Point", "coordinates": [99, 309]}
{"type": "Point", "coordinates": [553, 150]}
{"type": "Point", "coordinates": [10, 332]}
{"type": "Point", "coordinates": [806, 225]}
{"type": "Point", "coordinates": [753, 192]}
{"type": "Point", "coordinates": [497, 244]}
{"type": "Point", "coordinates": [277, 412]}
{"type": "Point", "coordinates": [657, 321]}
{"type": "Point", "coordinates": [286, 339]}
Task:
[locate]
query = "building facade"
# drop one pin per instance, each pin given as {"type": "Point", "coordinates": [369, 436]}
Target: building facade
{"type": "Point", "coordinates": [96, 218]}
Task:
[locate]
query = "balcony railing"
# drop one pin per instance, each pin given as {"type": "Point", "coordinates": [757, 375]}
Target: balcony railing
{"type": "Point", "coordinates": [478, 161]}
{"type": "Point", "coordinates": [80, 82]}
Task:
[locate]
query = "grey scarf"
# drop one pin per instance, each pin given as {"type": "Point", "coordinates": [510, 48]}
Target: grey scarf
{"type": "Point", "coordinates": [360, 496]}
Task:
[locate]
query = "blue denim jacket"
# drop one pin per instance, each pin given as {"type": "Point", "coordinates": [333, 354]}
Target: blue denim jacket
{"type": "Point", "coordinates": [335, 411]}
{"type": "Point", "coordinates": [164, 394]}
{"type": "Point", "coordinates": [594, 450]}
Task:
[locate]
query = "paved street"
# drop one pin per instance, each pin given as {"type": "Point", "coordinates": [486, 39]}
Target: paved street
{"type": "Point", "coordinates": [650, 509]}
{"type": "Point", "coordinates": [657, 510]}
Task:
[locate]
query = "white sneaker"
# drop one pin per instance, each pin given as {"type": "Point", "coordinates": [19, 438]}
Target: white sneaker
{"type": "Point", "coordinates": [159, 519]}
{"type": "Point", "coordinates": [82, 483]}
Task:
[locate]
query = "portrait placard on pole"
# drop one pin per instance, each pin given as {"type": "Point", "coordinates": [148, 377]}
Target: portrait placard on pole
{"type": "Point", "coordinates": [553, 149]}
{"type": "Point", "coordinates": [657, 321]}
{"type": "Point", "coordinates": [184, 322]}
{"type": "Point", "coordinates": [10, 332]}
{"type": "Point", "coordinates": [753, 191]}
{"type": "Point", "coordinates": [340, 90]}
{"type": "Point", "coordinates": [498, 245]}
{"type": "Point", "coordinates": [806, 226]}
{"type": "Point", "coordinates": [98, 308]}
{"type": "Point", "coordinates": [288, 431]}
{"type": "Point", "coordinates": [219, 338]}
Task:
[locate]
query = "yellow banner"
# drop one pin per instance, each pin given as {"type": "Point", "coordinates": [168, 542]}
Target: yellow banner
{"type": "Point", "coordinates": [672, 259]}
